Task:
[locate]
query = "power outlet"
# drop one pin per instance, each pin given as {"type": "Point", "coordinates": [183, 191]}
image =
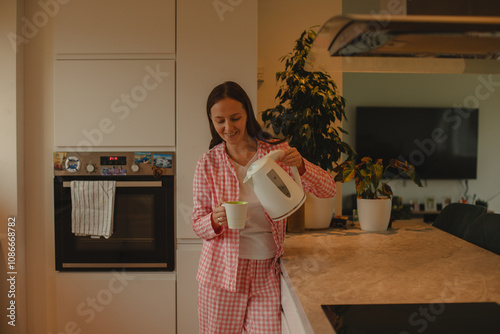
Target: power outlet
{"type": "Point", "coordinates": [260, 74]}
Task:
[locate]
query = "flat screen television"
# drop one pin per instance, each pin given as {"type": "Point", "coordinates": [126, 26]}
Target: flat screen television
{"type": "Point", "coordinates": [440, 142]}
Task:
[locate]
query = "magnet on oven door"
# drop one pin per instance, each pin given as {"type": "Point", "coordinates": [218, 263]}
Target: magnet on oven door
{"type": "Point", "coordinates": [59, 160]}
{"type": "Point", "coordinates": [162, 160]}
{"type": "Point", "coordinates": [73, 164]}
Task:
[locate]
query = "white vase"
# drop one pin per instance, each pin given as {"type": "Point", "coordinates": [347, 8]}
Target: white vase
{"type": "Point", "coordinates": [318, 212]}
{"type": "Point", "coordinates": [374, 214]}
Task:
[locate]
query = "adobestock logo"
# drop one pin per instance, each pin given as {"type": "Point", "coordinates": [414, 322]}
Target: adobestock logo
{"type": "Point", "coordinates": [427, 146]}
{"type": "Point", "coordinates": [421, 318]}
{"type": "Point", "coordinates": [186, 211]}
{"type": "Point", "coordinates": [454, 117]}
{"type": "Point", "coordinates": [122, 106]}
{"type": "Point", "coordinates": [94, 304]}
{"type": "Point", "coordinates": [223, 6]}
{"type": "Point", "coordinates": [31, 28]}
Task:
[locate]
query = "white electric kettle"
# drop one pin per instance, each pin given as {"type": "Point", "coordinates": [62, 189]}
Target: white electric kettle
{"type": "Point", "coordinates": [278, 193]}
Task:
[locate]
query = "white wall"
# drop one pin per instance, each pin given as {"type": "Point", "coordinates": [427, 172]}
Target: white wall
{"type": "Point", "coordinates": [442, 90]}
{"type": "Point", "coordinates": [39, 140]}
{"type": "Point", "coordinates": [11, 167]}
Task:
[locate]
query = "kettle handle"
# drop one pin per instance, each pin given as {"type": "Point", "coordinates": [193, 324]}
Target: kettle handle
{"type": "Point", "coordinates": [295, 172]}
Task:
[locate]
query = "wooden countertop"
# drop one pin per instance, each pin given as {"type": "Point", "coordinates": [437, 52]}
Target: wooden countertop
{"type": "Point", "coordinates": [411, 263]}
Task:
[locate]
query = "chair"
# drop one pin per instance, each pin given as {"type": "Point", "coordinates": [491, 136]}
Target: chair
{"type": "Point", "coordinates": [485, 232]}
{"type": "Point", "coordinates": [456, 218]}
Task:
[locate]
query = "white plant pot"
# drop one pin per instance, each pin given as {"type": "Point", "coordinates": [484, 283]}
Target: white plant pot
{"type": "Point", "coordinates": [318, 212]}
{"type": "Point", "coordinates": [374, 214]}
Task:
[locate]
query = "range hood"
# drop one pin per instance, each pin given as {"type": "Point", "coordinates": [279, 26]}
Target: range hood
{"type": "Point", "coordinates": [400, 43]}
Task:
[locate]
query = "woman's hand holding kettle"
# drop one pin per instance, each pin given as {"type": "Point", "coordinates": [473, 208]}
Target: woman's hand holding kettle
{"type": "Point", "coordinates": [291, 157]}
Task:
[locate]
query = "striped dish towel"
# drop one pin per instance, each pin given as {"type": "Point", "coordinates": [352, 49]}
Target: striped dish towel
{"type": "Point", "coordinates": [92, 208]}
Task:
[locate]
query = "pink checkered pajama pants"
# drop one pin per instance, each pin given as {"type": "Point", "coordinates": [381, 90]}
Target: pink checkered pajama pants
{"type": "Point", "coordinates": [254, 307]}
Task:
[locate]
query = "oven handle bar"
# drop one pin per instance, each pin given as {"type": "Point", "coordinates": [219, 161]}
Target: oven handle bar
{"type": "Point", "coordinates": [128, 184]}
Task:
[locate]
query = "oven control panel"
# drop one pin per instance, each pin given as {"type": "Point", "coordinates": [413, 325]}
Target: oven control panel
{"type": "Point", "coordinates": [114, 163]}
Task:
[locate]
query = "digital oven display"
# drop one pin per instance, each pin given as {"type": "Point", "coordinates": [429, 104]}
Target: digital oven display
{"type": "Point", "coordinates": [113, 160]}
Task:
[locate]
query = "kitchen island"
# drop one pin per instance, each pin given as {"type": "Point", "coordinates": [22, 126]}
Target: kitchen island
{"type": "Point", "coordinates": [412, 262]}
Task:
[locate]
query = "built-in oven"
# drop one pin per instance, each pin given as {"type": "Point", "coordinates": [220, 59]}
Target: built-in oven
{"type": "Point", "coordinates": [114, 210]}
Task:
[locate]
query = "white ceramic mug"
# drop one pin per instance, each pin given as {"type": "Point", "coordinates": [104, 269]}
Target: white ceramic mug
{"type": "Point", "coordinates": [236, 213]}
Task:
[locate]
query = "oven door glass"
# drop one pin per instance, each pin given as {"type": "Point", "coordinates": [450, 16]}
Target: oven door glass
{"type": "Point", "coordinates": [142, 228]}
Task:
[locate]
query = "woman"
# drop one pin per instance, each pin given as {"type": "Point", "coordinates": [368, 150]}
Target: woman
{"type": "Point", "coordinates": [238, 272]}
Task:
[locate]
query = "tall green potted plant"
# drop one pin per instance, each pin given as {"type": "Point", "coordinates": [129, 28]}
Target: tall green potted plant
{"type": "Point", "coordinates": [374, 195]}
{"type": "Point", "coordinates": [308, 115]}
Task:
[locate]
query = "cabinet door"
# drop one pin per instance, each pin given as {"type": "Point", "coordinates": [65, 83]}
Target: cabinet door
{"type": "Point", "coordinates": [290, 311]}
{"type": "Point", "coordinates": [118, 302]}
{"type": "Point", "coordinates": [284, 325]}
{"type": "Point", "coordinates": [114, 103]}
{"type": "Point", "coordinates": [114, 26]}
{"type": "Point", "coordinates": [217, 41]}
{"type": "Point", "coordinates": [188, 256]}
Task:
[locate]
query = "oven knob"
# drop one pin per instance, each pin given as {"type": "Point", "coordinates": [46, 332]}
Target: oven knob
{"type": "Point", "coordinates": [90, 168]}
{"type": "Point", "coordinates": [135, 168]}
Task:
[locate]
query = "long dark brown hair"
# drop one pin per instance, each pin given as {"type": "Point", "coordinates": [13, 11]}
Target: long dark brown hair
{"type": "Point", "coordinates": [232, 90]}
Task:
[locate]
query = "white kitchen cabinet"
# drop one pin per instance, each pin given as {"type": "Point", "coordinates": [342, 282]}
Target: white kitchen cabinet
{"type": "Point", "coordinates": [102, 103]}
{"type": "Point", "coordinates": [116, 302]}
{"type": "Point", "coordinates": [113, 27]}
{"type": "Point", "coordinates": [188, 256]}
{"type": "Point", "coordinates": [284, 324]}
{"type": "Point", "coordinates": [291, 321]}
{"type": "Point", "coordinates": [216, 42]}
